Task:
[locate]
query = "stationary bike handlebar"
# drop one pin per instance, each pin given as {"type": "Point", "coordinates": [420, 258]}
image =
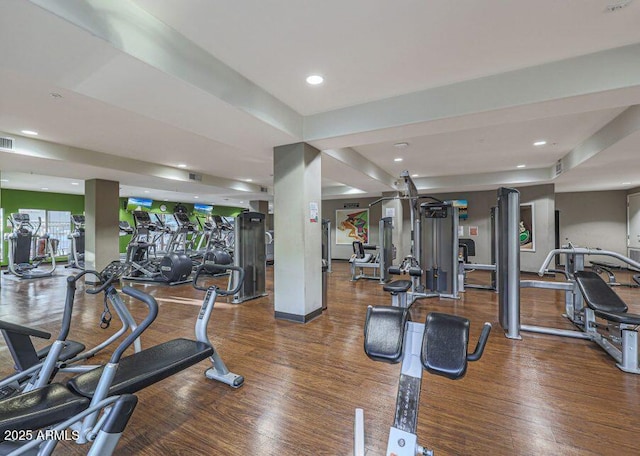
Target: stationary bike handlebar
{"type": "Point", "coordinates": [482, 341]}
{"type": "Point", "coordinates": [203, 267]}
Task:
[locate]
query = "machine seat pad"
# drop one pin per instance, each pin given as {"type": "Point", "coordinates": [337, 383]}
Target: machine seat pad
{"type": "Point", "coordinates": [444, 345]}
{"type": "Point", "coordinates": [619, 317]}
{"type": "Point", "coordinates": [71, 349]}
{"type": "Point", "coordinates": [39, 408]}
{"type": "Point", "coordinates": [597, 294]}
{"type": "Point", "coordinates": [384, 333]}
{"type": "Point", "coordinates": [397, 286]}
{"type": "Point", "coordinates": [365, 259]}
{"type": "Point", "coordinates": [142, 369]}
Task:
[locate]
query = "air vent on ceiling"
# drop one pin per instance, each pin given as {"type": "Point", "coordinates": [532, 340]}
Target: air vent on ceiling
{"type": "Point", "coordinates": [195, 177]}
{"type": "Point", "coordinates": [6, 143]}
{"type": "Point", "coordinates": [558, 167]}
{"type": "Point", "coordinates": [617, 6]}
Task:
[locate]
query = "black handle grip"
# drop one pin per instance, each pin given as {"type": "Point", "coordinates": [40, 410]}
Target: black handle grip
{"type": "Point", "coordinates": [395, 270]}
{"type": "Point", "coordinates": [484, 336]}
{"type": "Point", "coordinates": [223, 267]}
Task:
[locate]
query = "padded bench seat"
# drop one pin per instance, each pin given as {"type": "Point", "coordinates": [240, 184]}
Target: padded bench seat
{"type": "Point", "coordinates": [603, 300]}
{"type": "Point", "coordinates": [39, 408]}
{"type": "Point", "coordinates": [145, 368]}
{"type": "Point", "coordinates": [384, 333]}
{"type": "Point", "coordinates": [397, 286]}
{"type": "Point", "coordinates": [444, 345]}
{"type": "Point", "coordinates": [597, 294]}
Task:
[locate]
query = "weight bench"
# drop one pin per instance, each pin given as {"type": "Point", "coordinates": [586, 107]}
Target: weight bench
{"type": "Point", "coordinates": [620, 339]}
{"type": "Point", "coordinates": [439, 346]}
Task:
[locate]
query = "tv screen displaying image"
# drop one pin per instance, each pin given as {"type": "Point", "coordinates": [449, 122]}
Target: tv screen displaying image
{"type": "Point", "coordinates": [204, 209]}
{"type": "Point", "coordinates": [135, 203]}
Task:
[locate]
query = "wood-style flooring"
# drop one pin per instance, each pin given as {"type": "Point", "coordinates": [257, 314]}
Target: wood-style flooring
{"type": "Point", "coordinates": [540, 395]}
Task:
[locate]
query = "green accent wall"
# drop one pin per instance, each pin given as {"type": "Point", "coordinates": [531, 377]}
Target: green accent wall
{"type": "Point", "coordinates": [13, 200]}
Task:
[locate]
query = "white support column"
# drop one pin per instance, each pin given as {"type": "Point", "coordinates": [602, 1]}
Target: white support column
{"type": "Point", "coordinates": [101, 229]}
{"type": "Point", "coordinates": [298, 228]}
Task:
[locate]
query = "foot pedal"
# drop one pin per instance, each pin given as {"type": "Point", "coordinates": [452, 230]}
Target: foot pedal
{"type": "Point", "coordinates": [384, 333]}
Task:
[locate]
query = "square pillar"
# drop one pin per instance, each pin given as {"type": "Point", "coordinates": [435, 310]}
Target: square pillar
{"type": "Point", "coordinates": [101, 207]}
{"type": "Point", "coordinates": [298, 232]}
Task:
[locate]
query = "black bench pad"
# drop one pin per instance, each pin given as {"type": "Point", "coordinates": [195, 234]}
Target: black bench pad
{"type": "Point", "coordinates": [625, 318]}
{"type": "Point", "coordinates": [397, 286]}
{"type": "Point", "coordinates": [39, 408]}
{"type": "Point", "coordinates": [145, 368]}
{"type": "Point", "coordinates": [71, 349]}
{"type": "Point", "coordinates": [444, 345]}
{"type": "Point", "coordinates": [597, 294]}
{"type": "Point", "coordinates": [384, 333]}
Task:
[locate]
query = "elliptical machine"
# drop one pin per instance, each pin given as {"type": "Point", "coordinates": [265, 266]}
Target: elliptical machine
{"type": "Point", "coordinates": [28, 249]}
{"type": "Point", "coordinates": [76, 256]}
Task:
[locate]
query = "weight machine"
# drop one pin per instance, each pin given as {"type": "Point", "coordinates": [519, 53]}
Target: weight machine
{"type": "Point", "coordinates": [380, 260]}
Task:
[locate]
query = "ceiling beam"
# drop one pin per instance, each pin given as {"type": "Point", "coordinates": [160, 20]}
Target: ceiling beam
{"type": "Point", "coordinates": [625, 124]}
{"type": "Point", "coordinates": [358, 162]}
{"type": "Point", "coordinates": [132, 30]}
{"type": "Point", "coordinates": [36, 148]}
{"type": "Point", "coordinates": [504, 95]}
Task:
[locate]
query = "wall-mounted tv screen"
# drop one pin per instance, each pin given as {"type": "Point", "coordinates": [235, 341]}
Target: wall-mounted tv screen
{"type": "Point", "coordinates": [204, 209]}
{"type": "Point", "coordinates": [142, 203]}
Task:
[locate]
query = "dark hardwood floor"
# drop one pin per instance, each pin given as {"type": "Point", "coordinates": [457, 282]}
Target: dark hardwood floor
{"type": "Point", "coordinates": [543, 394]}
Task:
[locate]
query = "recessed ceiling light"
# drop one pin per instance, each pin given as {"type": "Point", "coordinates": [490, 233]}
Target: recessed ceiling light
{"type": "Point", "coordinates": [44, 188]}
{"type": "Point", "coordinates": [539, 143]}
{"type": "Point", "coordinates": [75, 183]}
{"type": "Point", "coordinates": [146, 191]}
{"type": "Point", "coordinates": [315, 79]}
{"type": "Point", "coordinates": [166, 199]}
{"type": "Point", "coordinates": [29, 132]}
{"type": "Point", "coordinates": [398, 159]}
{"type": "Point", "coordinates": [249, 180]}
{"type": "Point", "coordinates": [626, 183]}
{"type": "Point", "coordinates": [4, 180]}
{"type": "Point", "coordinates": [182, 165]}
{"type": "Point", "coordinates": [521, 166]}
{"type": "Point", "coordinates": [401, 145]}
{"type": "Point", "coordinates": [196, 197]}
{"type": "Point", "coordinates": [414, 175]}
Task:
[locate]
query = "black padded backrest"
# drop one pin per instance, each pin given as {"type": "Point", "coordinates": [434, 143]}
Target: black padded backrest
{"type": "Point", "coordinates": [444, 345]}
{"type": "Point", "coordinates": [358, 249]}
{"type": "Point", "coordinates": [597, 294]}
{"type": "Point", "coordinates": [384, 333]}
{"type": "Point", "coordinates": [469, 244]}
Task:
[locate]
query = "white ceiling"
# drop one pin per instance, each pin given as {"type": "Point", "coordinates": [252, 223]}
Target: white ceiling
{"type": "Point", "coordinates": [216, 85]}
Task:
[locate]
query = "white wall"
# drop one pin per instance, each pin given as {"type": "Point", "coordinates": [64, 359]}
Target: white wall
{"type": "Point", "coordinates": [594, 219]}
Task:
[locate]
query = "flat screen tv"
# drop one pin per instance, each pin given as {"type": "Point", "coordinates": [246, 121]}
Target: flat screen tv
{"type": "Point", "coordinates": [203, 209]}
{"type": "Point", "coordinates": [142, 203]}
